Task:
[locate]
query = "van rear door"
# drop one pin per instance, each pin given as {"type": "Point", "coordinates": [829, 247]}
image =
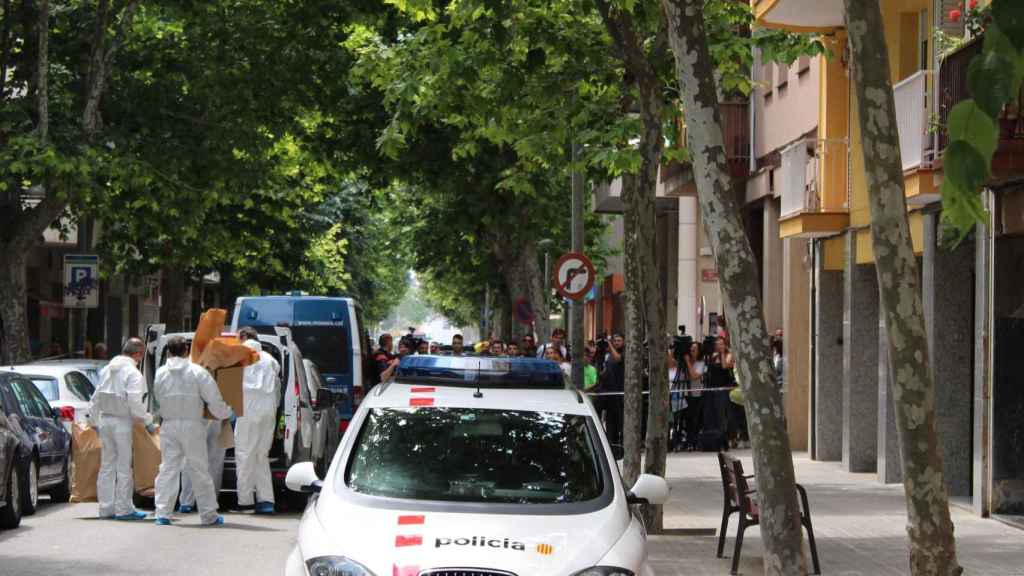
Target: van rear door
{"type": "Point", "coordinates": [322, 328]}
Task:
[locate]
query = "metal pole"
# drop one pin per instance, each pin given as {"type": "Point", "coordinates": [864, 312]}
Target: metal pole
{"type": "Point", "coordinates": [576, 307]}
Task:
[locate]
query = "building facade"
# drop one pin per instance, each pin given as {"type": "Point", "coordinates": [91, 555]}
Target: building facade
{"type": "Point", "coordinates": [973, 304]}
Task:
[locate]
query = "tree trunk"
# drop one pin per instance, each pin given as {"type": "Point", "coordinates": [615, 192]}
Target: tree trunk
{"type": "Point", "coordinates": [633, 386]}
{"type": "Point", "coordinates": [13, 300]}
{"type": "Point", "coordinates": [172, 297]}
{"type": "Point", "coordinates": [773, 461]}
{"type": "Point", "coordinates": [932, 545]}
{"type": "Point", "coordinates": [640, 210]}
{"type": "Point", "coordinates": [524, 278]}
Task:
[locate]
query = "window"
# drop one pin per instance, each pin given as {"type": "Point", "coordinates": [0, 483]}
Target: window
{"type": "Point", "coordinates": [43, 407]}
{"type": "Point", "coordinates": [23, 393]}
{"type": "Point", "coordinates": [48, 386]}
{"type": "Point", "coordinates": [79, 385]}
{"type": "Point", "coordinates": [327, 345]}
{"type": "Point", "coordinates": [476, 455]}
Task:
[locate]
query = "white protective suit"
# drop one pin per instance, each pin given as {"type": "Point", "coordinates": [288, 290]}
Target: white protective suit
{"type": "Point", "coordinates": [215, 461]}
{"type": "Point", "coordinates": [115, 403]}
{"type": "Point", "coordinates": [182, 389]}
{"type": "Point", "coordinates": [254, 430]}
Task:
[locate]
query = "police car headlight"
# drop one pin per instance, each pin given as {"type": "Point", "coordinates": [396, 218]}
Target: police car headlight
{"type": "Point", "coordinates": [605, 571]}
{"type": "Point", "coordinates": [335, 566]}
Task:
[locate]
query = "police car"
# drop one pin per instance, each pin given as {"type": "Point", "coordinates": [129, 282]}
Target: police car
{"type": "Point", "coordinates": [472, 466]}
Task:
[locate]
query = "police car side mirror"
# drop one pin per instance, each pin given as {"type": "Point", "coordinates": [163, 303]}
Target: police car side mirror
{"type": "Point", "coordinates": [649, 489]}
{"type": "Point", "coordinates": [302, 478]}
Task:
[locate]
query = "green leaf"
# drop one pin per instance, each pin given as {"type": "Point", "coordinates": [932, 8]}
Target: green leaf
{"type": "Point", "coordinates": [1010, 16]}
{"type": "Point", "coordinates": [965, 167]}
{"type": "Point", "coordinates": [992, 81]}
{"type": "Point", "coordinates": [968, 122]}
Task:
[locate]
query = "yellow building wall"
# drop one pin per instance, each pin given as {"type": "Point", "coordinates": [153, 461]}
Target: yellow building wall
{"type": "Point", "coordinates": [833, 125]}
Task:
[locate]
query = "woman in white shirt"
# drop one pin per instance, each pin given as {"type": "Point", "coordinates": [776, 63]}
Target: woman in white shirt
{"type": "Point", "coordinates": [695, 385]}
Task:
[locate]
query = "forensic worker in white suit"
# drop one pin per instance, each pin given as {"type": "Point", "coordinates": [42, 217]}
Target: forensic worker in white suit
{"type": "Point", "coordinates": [254, 429]}
{"type": "Point", "coordinates": [182, 390]}
{"type": "Point", "coordinates": [116, 405]}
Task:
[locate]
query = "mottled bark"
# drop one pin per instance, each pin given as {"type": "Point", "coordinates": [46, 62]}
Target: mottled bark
{"type": "Point", "coordinates": [738, 277]}
{"type": "Point", "coordinates": [640, 212]}
{"type": "Point", "coordinates": [13, 300]}
{"type": "Point", "coordinates": [524, 279]}
{"type": "Point", "coordinates": [634, 372]}
{"type": "Point", "coordinates": [932, 546]}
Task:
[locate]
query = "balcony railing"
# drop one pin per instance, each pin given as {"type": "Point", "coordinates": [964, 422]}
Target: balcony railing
{"type": "Point", "coordinates": [735, 117]}
{"type": "Point", "coordinates": [912, 118]}
{"type": "Point", "coordinates": [953, 90]}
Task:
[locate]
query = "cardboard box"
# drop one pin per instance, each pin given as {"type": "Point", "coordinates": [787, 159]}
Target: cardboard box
{"type": "Point", "coordinates": [229, 381]}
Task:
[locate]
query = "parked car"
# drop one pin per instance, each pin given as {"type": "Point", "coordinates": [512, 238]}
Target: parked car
{"type": "Point", "coordinates": [300, 437]}
{"type": "Point", "coordinates": [64, 387]}
{"type": "Point", "coordinates": [91, 368]}
{"type": "Point", "coordinates": [45, 442]}
{"type": "Point", "coordinates": [10, 480]}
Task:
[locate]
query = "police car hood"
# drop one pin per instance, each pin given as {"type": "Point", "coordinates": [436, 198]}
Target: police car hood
{"type": "Point", "coordinates": [404, 542]}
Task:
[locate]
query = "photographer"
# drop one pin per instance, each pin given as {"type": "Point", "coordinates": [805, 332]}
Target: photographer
{"type": "Point", "coordinates": [694, 397]}
{"type": "Point", "coordinates": [613, 380]}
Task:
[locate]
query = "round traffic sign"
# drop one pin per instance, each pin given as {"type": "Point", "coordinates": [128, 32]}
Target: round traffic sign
{"type": "Point", "coordinates": [574, 275]}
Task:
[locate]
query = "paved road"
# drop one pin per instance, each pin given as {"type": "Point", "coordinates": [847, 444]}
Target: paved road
{"type": "Point", "coordinates": [68, 539]}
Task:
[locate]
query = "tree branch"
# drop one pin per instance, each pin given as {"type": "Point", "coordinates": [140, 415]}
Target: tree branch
{"type": "Point", "coordinates": [94, 78]}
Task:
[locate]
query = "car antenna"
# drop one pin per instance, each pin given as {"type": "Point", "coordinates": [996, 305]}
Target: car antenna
{"type": "Point", "coordinates": [478, 393]}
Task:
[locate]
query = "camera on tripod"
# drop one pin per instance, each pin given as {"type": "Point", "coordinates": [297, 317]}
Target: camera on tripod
{"type": "Point", "coordinates": [681, 345]}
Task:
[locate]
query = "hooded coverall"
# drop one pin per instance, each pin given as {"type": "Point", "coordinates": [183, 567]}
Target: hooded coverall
{"type": "Point", "coordinates": [115, 403]}
{"type": "Point", "coordinates": [182, 389]}
{"type": "Point", "coordinates": [254, 430]}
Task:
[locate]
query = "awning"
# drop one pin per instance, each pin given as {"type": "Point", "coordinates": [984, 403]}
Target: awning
{"type": "Point", "coordinates": [799, 15]}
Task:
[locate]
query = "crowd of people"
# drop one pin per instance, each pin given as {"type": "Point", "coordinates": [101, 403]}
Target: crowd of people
{"type": "Point", "coordinates": [707, 410]}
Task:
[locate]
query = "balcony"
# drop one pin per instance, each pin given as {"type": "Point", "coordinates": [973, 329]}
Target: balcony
{"type": "Point", "coordinates": [953, 90]}
{"type": "Point", "coordinates": [912, 119]}
{"type": "Point", "coordinates": [803, 215]}
{"type": "Point", "coordinates": [799, 15]}
{"type": "Point", "coordinates": [677, 178]}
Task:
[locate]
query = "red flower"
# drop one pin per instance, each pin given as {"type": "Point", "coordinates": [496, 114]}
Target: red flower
{"type": "Point", "coordinates": [954, 15]}
{"type": "Point", "coordinates": [972, 4]}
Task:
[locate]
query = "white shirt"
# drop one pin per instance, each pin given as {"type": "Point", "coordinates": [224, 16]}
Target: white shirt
{"type": "Point", "coordinates": [182, 389]}
{"type": "Point", "coordinates": [121, 390]}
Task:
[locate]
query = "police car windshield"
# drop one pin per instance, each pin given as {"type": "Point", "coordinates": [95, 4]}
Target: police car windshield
{"type": "Point", "coordinates": [475, 455]}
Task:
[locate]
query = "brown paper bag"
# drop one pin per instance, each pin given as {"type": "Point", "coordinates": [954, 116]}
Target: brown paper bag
{"type": "Point", "coordinates": [145, 458]}
{"type": "Point", "coordinates": [85, 458]}
{"type": "Point", "coordinates": [211, 324]}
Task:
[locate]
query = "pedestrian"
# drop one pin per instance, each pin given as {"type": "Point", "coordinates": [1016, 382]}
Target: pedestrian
{"type": "Point", "coordinates": [528, 346]}
{"type": "Point", "coordinates": [254, 430]}
{"type": "Point", "coordinates": [457, 348]}
{"type": "Point", "coordinates": [497, 348]}
{"type": "Point", "coordinates": [99, 351]}
{"type": "Point", "coordinates": [723, 332]}
{"type": "Point", "coordinates": [717, 427]}
{"type": "Point", "coordinates": [558, 341]}
{"type": "Point", "coordinates": [182, 389]}
{"type": "Point", "coordinates": [555, 355]}
{"type": "Point", "coordinates": [512, 350]}
{"type": "Point", "coordinates": [677, 378]}
{"type": "Point", "coordinates": [613, 384]}
{"type": "Point", "coordinates": [215, 466]}
{"type": "Point", "coordinates": [589, 370]}
{"type": "Point", "coordinates": [694, 413]}
{"type": "Point", "coordinates": [423, 347]}
{"type": "Point", "coordinates": [382, 357]}
{"type": "Point", "coordinates": [779, 361]}
{"type": "Point", "coordinates": [435, 348]}
{"type": "Point", "coordinates": [116, 405]}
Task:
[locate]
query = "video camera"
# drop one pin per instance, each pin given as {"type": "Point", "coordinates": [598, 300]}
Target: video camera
{"type": "Point", "coordinates": [681, 345]}
{"type": "Point", "coordinates": [411, 341]}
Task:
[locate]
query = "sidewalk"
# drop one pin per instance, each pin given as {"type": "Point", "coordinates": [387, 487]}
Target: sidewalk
{"type": "Point", "coordinates": [859, 525]}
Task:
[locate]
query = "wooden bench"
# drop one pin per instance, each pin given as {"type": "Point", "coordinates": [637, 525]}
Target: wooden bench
{"type": "Point", "coordinates": [739, 498]}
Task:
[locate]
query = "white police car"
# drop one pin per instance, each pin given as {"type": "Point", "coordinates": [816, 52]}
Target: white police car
{"type": "Point", "coordinates": [472, 466]}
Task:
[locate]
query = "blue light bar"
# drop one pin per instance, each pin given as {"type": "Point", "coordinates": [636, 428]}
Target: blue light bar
{"type": "Point", "coordinates": [481, 371]}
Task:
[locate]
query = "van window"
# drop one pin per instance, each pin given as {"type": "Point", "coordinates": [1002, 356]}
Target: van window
{"type": "Point", "coordinates": [327, 346]}
{"type": "Point", "coordinates": [263, 313]}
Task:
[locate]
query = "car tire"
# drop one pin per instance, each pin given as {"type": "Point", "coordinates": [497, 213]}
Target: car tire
{"type": "Point", "coordinates": [30, 489]}
{"type": "Point", "coordinates": [10, 514]}
{"type": "Point", "coordinates": [62, 492]}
